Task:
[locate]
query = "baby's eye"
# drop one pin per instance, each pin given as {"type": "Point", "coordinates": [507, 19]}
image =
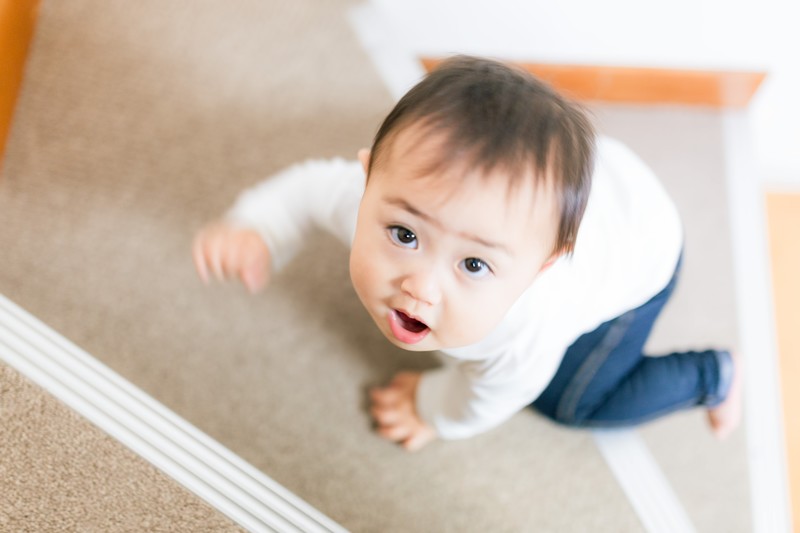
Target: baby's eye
{"type": "Point", "coordinates": [475, 268]}
{"type": "Point", "coordinates": [403, 236]}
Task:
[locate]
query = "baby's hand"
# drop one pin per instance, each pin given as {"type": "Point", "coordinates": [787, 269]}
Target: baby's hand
{"type": "Point", "coordinates": [229, 252]}
{"type": "Point", "coordinates": [394, 410]}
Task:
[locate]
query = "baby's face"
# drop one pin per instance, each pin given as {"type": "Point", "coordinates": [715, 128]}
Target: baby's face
{"type": "Point", "coordinates": [439, 259]}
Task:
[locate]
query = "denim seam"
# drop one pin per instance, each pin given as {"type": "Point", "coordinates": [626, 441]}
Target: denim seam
{"type": "Point", "coordinates": [600, 424]}
{"type": "Point", "coordinates": [568, 404]}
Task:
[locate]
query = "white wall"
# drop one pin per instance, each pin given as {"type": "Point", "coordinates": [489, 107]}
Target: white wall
{"type": "Point", "coordinates": [704, 34]}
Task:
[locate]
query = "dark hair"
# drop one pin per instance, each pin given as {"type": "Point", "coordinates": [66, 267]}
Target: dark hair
{"type": "Point", "coordinates": [494, 115]}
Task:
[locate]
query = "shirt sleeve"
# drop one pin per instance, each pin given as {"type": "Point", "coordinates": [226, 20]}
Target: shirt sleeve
{"type": "Point", "coordinates": [449, 400]}
{"type": "Point", "coordinates": [464, 398]}
{"type": "Point", "coordinates": [285, 207]}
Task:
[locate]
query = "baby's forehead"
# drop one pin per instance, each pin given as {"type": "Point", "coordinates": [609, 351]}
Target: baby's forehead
{"type": "Point", "coordinates": [422, 175]}
{"type": "Point", "coordinates": [421, 150]}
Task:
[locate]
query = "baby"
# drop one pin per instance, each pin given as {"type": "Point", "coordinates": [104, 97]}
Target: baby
{"type": "Point", "coordinates": [487, 222]}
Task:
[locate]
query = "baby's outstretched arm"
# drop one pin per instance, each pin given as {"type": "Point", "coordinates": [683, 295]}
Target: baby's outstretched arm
{"type": "Point", "coordinates": [394, 410]}
{"type": "Point", "coordinates": [226, 251]}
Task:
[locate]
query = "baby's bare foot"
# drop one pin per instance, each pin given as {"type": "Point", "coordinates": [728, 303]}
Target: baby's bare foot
{"type": "Point", "coordinates": [726, 417]}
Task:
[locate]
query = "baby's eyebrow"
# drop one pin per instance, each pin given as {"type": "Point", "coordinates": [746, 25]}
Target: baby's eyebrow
{"type": "Point", "coordinates": [403, 204]}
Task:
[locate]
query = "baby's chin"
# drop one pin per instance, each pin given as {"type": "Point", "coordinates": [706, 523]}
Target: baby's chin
{"type": "Point", "coordinates": [420, 347]}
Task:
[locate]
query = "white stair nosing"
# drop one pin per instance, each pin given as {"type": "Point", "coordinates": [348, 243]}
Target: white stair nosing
{"type": "Point", "coordinates": [195, 460]}
{"type": "Point", "coordinates": [163, 421]}
{"type": "Point", "coordinates": [643, 482]}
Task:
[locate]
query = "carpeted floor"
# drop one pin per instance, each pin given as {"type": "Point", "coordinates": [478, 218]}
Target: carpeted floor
{"type": "Point", "coordinates": [140, 121]}
{"type": "Point", "coordinates": [60, 473]}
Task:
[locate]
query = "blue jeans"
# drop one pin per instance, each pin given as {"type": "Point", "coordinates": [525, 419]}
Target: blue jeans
{"type": "Point", "coordinates": [606, 381]}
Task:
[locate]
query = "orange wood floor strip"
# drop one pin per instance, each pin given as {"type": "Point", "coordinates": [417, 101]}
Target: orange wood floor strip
{"type": "Point", "coordinates": [17, 19]}
{"type": "Point", "coordinates": [783, 215]}
{"type": "Point", "coordinates": [720, 89]}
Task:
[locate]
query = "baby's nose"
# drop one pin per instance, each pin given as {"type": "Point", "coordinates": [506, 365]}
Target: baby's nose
{"type": "Point", "coordinates": [423, 286]}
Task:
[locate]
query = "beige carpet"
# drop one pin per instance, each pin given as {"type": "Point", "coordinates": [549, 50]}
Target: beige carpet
{"type": "Point", "coordinates": [60, 473]}
{"type": "Point", "coordinates": [140, 120]}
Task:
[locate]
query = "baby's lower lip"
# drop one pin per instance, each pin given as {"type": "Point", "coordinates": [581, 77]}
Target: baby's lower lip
{"type": "Point", "coordinates": [401, 332]}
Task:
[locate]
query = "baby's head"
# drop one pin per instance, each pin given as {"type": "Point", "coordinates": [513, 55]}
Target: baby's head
{"type": "Point", "coordinates": [477, 181]}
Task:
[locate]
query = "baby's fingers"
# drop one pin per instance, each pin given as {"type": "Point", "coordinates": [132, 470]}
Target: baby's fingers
{"type": "Point", "coordinates": [387, 416]}
{"type": "Point", "coordinates": [419, 439]}
{"type": "Point", "coordinates": [206, 253]}
{"type": "Point", "coordinates": [254, 269]}
{"type": "Point", "coordinates": [254, 279]}
{"type": "Point", "coordinates": [199, 259]}
{"type": "Point", "coordinates": [386, 397]}
{"type": "Point", "coordinates": [230, 258]}
{"type": "Point", "coordinates": [396, 433]}
{"type": "Point", "coordinates": [213, 250]}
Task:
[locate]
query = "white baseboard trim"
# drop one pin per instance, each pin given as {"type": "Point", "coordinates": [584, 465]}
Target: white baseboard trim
{"type": "Point", "coordinates": [177, 448]}
{"type": "Point", "coordinates": [769, 486]}
{"type": "Point", "coordinates": [643, 482]}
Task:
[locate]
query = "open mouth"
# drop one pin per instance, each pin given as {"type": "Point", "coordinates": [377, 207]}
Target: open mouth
{"type": "Point", "coordinates": [406, 329]}
{"type": "Point", "coordinates": [411, 324]}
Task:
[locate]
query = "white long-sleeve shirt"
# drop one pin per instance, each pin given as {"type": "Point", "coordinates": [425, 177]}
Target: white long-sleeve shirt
{"type": "Point", "coordinates": [626, 251]}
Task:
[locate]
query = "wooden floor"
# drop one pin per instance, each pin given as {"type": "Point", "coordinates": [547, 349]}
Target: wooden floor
{"type": "Point", "coordinates": [783, 214]}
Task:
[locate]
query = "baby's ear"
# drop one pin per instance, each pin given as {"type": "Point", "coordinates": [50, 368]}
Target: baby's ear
{"type": "Point", "coordinates": [363, 156]}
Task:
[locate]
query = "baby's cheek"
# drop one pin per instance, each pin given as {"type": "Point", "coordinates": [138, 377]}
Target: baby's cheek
{"type": "Point", "coordinates": [479, 319]}
{"type": "Point", "coordinates": [367, 272]}
{"type": "Point", "coordinates": [358, 272]}
{"type": "Point", "coordinates": [467, 328]}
